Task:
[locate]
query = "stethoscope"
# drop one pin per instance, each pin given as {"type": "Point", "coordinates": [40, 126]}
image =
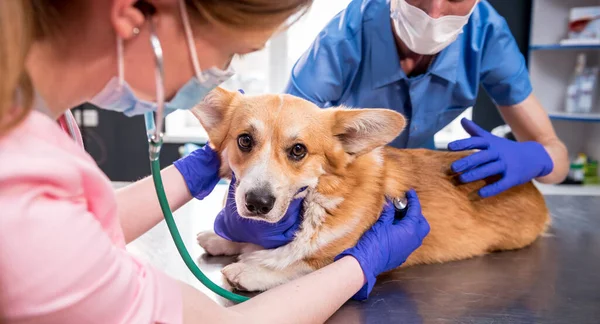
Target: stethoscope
{"type": "Point", "coordinates": [155, 141]}
{"type": "Point", "coordinates": [154, 133]}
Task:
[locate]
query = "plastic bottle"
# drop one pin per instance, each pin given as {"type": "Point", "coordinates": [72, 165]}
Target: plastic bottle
{"type": "Point", "coordinates": [577, 170]}
{"type": "Point", "coordinates": [591, 176]}
{"type": "Point", "coordinates": [587, 90]}
{"type": "Point", "coordinates": [573, 89]}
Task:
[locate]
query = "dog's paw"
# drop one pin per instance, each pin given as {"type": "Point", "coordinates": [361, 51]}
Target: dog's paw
{"type": "Point", "coordinates": [245, 277]}
{"type": "Point", "coordinates": [213, 244]}
{"type": "Point", "coordinates": [271, 259]}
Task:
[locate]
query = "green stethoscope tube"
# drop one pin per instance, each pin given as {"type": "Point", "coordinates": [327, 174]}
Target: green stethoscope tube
{"type": "Point", "coordinates": [155, 144]}
{"type": "Point", "coordinates": [189, 262]}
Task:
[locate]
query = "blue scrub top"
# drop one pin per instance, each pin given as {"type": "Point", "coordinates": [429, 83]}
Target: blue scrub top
{"type": "Point", "coordinates": [354, 62]}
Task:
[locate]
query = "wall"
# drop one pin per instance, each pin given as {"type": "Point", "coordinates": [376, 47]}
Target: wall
{"type": "Point", "coordinates": [518, 16]}
{"type": "Point", "coordinates": [119, 145]}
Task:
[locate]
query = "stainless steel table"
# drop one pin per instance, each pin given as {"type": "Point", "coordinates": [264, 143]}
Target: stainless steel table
{"type": "Point", "coordinates": [556, 280]}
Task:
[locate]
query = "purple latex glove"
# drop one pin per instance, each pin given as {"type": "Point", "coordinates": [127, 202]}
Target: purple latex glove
{"type": "Point", "coordinates": [516, 162]}
{"type": "Point", "coordinates": [229, 225]}
{"type": "Point", "coordinates": [389, 242]}
{"type": "Point", "coordinates": [200, 170]}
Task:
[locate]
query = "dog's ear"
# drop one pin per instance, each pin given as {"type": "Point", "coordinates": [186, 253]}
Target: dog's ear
{"type": "Point", "coordinates": [214, 114]}
{"type": "Point", "coordinates": [362, 130]}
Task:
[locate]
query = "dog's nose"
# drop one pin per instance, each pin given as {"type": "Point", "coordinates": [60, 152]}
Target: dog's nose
{"type": "Point", "coordinates": [259, 201]}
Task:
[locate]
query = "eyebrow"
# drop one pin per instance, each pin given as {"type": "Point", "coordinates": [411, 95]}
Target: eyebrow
{"type": "Point", "coordinates": [256, 125]}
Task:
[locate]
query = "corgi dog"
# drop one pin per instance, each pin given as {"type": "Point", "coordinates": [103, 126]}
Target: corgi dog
{"type": "Point", "coordinates": [277, 144]}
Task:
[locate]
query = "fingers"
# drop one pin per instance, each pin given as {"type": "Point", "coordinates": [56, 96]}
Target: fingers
{"type": "Point", "coordinates": [415, 214]}
{"type": "Point", "coordinates": [484, 171]}
{"type": "Point", "coordinates": [424, 227]}
{"type": "Point", "coordinates": [414, 205]}
{"type": "Point", "coordinates": [472, 143]}
{"type": "Point", "coordinates": [207, 147]}
{"type": "Point", "coordinates": [295, 206]}
{"type": "Point", "coordinates": [474, 160]}
{"type": "Point", "coordinates": [388, 213]}
{"type": "Point", "coordinates": [472, 128]}
{"type": "Point", "coordinates": [231, 192]}
{"type": "Point", "coordinates": [495, 188]}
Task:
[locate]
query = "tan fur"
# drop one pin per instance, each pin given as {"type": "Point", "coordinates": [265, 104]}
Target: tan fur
{"type": "Point", "coordinates": [349, 176]}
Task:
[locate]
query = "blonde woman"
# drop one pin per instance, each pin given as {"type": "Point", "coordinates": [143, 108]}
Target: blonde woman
{"type": "Point", "coordinates": [63, 230]}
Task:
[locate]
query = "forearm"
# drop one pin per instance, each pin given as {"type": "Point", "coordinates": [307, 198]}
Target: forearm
{"type": "Point", "coordinates": [560, 158]}
{"type": "Point", "coordinates": [138, 206]}
{"type": "Point", "coordinates": [309, 299]}
{"type": "Point", "coordinates": [530, 122]}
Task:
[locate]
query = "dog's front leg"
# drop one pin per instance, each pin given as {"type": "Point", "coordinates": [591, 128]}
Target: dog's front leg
{"type": "Point", "coordinates": [213, 244]}
{"type": "Point", "coordinates": [265, 269]}
{"type": "Point", "coordinates": [254, 277]}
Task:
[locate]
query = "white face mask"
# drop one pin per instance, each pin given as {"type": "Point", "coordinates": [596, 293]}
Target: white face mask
{"type": "Point", "coordinates": [423, 34]}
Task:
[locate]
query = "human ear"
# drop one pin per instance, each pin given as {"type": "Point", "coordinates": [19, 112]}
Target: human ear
{"type": "Point", "coordinates": [125, 17]}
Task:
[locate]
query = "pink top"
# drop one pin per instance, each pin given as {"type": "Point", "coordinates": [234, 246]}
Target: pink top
{"type": "Point", "coordinates": [62, 251]}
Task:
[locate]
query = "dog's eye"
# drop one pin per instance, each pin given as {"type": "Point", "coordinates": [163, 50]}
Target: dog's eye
{"type": "Point", "coordinates": [298, 152]}
{"type": "Point", "coordinates": [245, 142]}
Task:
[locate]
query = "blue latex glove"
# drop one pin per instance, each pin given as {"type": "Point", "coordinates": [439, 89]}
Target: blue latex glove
{"type": "Point", "coordinates": [516, 162]}
{"type": "Point", "coordinates": [231, 226]}
{"type": "Point", "coordinates": [200, 170]}
{"type": "Point", "coordinates": [389, 242]}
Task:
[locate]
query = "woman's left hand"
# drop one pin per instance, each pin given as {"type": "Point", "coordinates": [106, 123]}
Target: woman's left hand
{"type": "Point", "coordinates": [200, 170]}
{"type": "Point", "coordinates": [516, 162]}
{"type": "Point", "coordinates": [231, 226]}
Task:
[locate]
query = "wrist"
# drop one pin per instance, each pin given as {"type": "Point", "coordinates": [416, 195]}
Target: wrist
{"type": "Point", "coordinates": [545, 163]}
{"type": "Point", "coordinates": [200, 172]}
{"type": "Point", "coordinates": [368, 277]}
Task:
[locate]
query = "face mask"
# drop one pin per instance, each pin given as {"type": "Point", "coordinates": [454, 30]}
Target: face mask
{"type": "Point", "coordinates": [421, 33]}
{"type": "Point", "coordinates": [117, 95]}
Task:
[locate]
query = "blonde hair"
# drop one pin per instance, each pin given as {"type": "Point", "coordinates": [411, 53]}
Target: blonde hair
{"type": "Point", "coordinates": [16, 35]}
{"type": "Point", "coordinates": [23, 21]}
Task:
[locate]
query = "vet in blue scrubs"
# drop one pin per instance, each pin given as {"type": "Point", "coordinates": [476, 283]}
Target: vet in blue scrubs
{"type": "Point", "coordinates": [354, 61]}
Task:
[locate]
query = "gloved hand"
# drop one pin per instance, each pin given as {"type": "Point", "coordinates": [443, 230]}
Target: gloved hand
{"type": "Point", "coordinates": [389, 242]}
{"type": "Point", "coordinates": [229, 225]}
{"type": "Point", "coordinates": [517, 162]}
{"type": "Point", "coordinates": [200, 170]}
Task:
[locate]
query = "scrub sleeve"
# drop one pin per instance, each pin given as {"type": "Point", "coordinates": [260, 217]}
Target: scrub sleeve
{"type": "Point", "coordinates": [504, 73]}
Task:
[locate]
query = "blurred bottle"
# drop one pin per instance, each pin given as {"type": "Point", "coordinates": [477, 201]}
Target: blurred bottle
{"type": "Point", "coordinates": [591, 176]}
{"type": "Point", "coordinates": [587, 90]}
{"type": "Point", "coordinates": [573, 89]}
{"type": "Point", "coordinates": [577, 169]}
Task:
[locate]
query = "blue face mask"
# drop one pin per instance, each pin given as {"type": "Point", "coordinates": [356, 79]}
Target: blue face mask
{"type": "Point", "coordinates": [118, 96]}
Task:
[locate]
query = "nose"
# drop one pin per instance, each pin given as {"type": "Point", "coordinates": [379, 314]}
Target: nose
{"type": "Point", "coordinates": [260, 201]}
{"type": "Point", "coordinates": [435, 8]}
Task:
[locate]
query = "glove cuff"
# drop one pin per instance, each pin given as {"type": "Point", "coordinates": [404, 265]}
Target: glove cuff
{"type": "Point", "coordinates": [546, 163]}
{"type": "Point", "coordinates": [200, 170]}
{"type": "Point", "coordinates": [220, 226]}
{"type": "Point", "coordinates": [370, 279]}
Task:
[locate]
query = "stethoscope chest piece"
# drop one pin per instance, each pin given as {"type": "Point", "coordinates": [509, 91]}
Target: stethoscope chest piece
{"type": "Point", "coordinates": [400, 204]}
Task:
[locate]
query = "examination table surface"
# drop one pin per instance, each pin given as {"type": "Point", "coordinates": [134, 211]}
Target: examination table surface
{"type": "Point", "coordinates": [555, 280]}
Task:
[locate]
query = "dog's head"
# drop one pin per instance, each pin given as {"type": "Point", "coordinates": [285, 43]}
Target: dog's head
{"type": "Point", "coordinates": [276, 145]}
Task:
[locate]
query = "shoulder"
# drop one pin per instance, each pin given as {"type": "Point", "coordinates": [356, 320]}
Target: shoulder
{"type": "Point", "coordinates": [486, 15]}
{"type": "Point", "coordinates": [37, 154]}
{"type": "Point", "coordinates": [486, 25]}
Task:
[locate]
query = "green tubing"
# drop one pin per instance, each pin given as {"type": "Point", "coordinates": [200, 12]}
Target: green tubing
{"type": "Point", "coordinates": [166, 209]}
